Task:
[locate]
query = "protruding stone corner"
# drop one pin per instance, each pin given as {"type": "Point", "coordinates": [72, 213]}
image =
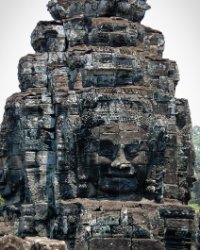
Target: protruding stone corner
{"type": "Point", "coordinates": [29, 243]}
{"type": "Point", "coordinates": [13, 242]}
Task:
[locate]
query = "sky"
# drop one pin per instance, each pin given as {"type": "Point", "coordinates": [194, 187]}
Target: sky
{"type": "Point", "coordinates": [178, 20]}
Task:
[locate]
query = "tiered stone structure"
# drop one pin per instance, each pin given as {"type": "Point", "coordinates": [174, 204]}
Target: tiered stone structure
{"type": "Point", "coordinates": [96, 150]}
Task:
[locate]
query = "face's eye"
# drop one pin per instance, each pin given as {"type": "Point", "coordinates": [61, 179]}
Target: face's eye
{"type": "Point", "coordinates": [131, 150]}
{"type": "Point", "coordinates": [107, 148]}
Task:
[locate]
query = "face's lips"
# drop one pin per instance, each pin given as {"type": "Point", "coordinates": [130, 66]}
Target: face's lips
{"type": "Point", "coordinates": [119, 174]}
{"type": "Point", "coordinates": [107, 170]}
{"type": "Point", "coordinates": [113, 184]}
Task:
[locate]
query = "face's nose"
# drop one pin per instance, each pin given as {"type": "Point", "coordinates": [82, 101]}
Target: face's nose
{"type": "Point", "coordinates": [120, 162]}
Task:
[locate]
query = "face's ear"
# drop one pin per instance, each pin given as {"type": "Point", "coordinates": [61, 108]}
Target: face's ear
{"type": "Point", "coordinates": [152, 144]}
{"type": "Point", "coordinates": [158, 139]}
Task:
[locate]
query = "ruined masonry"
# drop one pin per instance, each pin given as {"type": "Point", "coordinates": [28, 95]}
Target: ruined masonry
{"type": "Point", "coordinates": [95, 151]}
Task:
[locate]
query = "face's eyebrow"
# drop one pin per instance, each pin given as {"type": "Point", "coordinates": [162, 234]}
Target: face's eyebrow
{"type": "Point", "coordinates": [136, 144]}
{"type": "Point", "coordinates": [108, 142]}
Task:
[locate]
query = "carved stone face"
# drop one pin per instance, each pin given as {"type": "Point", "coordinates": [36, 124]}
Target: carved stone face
{"type": "Point", "coordinates": [116, 158]}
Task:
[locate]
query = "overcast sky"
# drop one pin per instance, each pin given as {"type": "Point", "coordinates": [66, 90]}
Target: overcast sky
{"type": "Point", "coordinates": [179, 21]}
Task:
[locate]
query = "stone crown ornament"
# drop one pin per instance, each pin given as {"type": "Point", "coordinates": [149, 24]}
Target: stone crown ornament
{"type": "Point", "coordinates": [133, 10]}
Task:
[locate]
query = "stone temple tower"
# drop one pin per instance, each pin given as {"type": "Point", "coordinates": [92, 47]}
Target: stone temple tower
{"type": "Point", "coordinates": [95, 151]}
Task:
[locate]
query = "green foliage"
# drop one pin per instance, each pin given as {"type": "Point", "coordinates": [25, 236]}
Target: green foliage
{"type": "Point", "coordinates": [195, 206]}
{"type": "Point", "coordinates": [196, 131]}
{"type": "Point", "coordinates": [196, 188]}
{"type": "Point", "coordinates": [196, 142]}
{"type": "Point", "coordinates": [1, 201]}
